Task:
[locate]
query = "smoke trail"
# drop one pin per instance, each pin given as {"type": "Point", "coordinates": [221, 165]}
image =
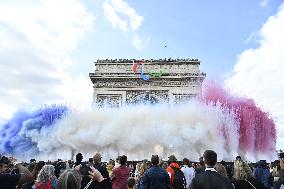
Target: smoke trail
{"type": "Point", "coordinates": [257, 128]}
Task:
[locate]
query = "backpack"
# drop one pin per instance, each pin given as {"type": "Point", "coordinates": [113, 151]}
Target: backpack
{"type": "Point", "coordinates": [179, 181]}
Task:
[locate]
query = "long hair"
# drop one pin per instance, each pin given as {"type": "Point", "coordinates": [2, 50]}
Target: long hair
{"type": "Point", "coordinates": [142, 169]}
{"type": "Point", "coordinates": [69, 179]}
{"type": "Point", "coordinates": [242, 170]}
{"type": "Point", "coordinates": [45, 174]}
{"type": "Point", "coordinates": [221, 169]}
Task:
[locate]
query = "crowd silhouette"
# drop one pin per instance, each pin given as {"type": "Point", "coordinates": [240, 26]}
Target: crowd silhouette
{"type": "Point", "coordinates": [155, 173]}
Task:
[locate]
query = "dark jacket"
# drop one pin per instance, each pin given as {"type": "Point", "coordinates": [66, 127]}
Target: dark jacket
{"type": "Point", "coordinates": [105, 184]}
{"type": "Point", "coordinates": [278, 183]}
{"type": "Point", "coordinates": [210, 180]}
{"type": "Point", "coordinates": [263, 175]}
{"type": "Point", "coordinates": [155, 178]}
{"type": "Point", "coordinates": [9, 181]}
{"type": "Point", "coordinates": [200, 170]}
{"type": "Point", "coordinates": [248, 184]}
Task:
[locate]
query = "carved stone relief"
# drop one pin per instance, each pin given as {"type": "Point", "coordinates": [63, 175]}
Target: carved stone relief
{"type": "Point", "coordinates": [152, 97]}
{"type": "Point", "coordinates": [109, 100]}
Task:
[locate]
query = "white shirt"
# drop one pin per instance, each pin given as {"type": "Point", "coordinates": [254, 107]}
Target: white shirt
{"type": "Point", "coordinates": [189, 174]}
{"type": "Point", "coordinates": [210, 169]}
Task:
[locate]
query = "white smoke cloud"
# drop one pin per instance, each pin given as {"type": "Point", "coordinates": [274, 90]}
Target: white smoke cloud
{"type": "Point", "coordinates": [35, 45]}
{"type": "Point", "coordinates": [141, 131]}
{"type": "Point", "coordinates": [258, 73]}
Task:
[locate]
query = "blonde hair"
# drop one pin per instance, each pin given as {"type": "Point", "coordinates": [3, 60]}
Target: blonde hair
{"type": "Point", "coordinates": [242, 170]}
{"type": "Point", "coordinates": [142, 168]}
{"type": "Point", "coordinates": [221, 169]}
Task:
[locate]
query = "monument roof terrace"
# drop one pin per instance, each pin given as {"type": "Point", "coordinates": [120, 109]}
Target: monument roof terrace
{"type": "Point", "coordinates": [156, 61]}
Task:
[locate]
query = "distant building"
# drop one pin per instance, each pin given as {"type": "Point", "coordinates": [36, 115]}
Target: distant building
{"type": "Point", "coordinates": [124, 81]}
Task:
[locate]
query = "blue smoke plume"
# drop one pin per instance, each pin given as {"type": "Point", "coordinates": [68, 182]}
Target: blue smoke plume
{"type": "Point", "coordinates": [13, 137]}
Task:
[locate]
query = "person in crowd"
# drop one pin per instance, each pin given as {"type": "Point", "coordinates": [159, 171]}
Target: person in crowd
{"type": "Point", "coordinates": [229, 168]}
{"type": "Point", "coordinates": [163, 164]}
{"type": "Point", "coordinates": [210, 178]}
{"type": "Point", "coordinates": [132, 170]}
{"type": "Point", "coordinates": [37, 168]}
{"type": "Point", "coordinates": [155, 177]}
{"type": "Point", "coordinates": [46, 178]}
{"type": "Point", "coordinates": [79, 158]}
{"type": "Point", "coordinates": [177, 177]}
{"type": "Point", "coordinates": [10, 181]}
{"type": "Point", "coordinates": [221, 169]}
{"type": "Point", "coordinates": [243, 177]}
{"type": "Point", "coordinates": [120, 174]}
{"type": "Point", "coordinates": [276, 170]}
{"type": "Point", "coordinates": [69, 179]}
{"type": "Point", "coordinates": [59, 167]}
{"type": "Point", "coordinates": [110, 166]}
{"type": "Point", "coordinates": [106, 183]}
{"type": "Point", "coordinates": [95, 175]}
{"type": "Point", "coordinates": [188, 171]}
{"type": "Point", "coordinates": [35, 172]}
{"type": "Point", "coordinates": [137, 169]}
{"type": "Point", "coordinates": [69, 164]}
{"type": "Point", "coordinates": [131, 183]}
{"type": "Point", "coordinates": [238, 158]}
{"type": "Point", "coordinates": [31, 166]}
{"type": "Point", "coordinates": [280, 182]}
{"type": "Point", "coordinates": [262, 173]}
{"type": "Point", "coordinates": [200, 167]}
{"type": "Point", "coordinates": [194, 166]}
{"type": "Point", "coordinates": [141, 171]}
{"type": "Point", "coordinates": [117, 162]}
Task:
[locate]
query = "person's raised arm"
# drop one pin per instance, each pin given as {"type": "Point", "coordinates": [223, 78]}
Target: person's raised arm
{"type": "Point", "coordinates": [26, 175]}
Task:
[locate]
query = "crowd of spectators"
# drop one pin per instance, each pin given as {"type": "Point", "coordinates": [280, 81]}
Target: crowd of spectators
{"type": "Point", "coordinates": [154, 174]}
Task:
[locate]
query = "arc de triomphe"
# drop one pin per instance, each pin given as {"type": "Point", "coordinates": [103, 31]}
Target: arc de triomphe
{"type": "Point", "coordinates": [128, 81]}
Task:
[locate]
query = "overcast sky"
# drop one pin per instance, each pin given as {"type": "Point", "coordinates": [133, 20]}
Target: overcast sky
{"type": "Point", "coordinates": [47, 47]}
